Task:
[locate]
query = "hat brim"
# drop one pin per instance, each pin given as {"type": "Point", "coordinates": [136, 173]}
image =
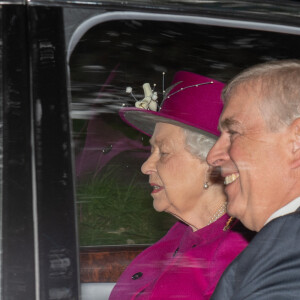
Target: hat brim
{"type": "Point", "coordinates": [145, 121]}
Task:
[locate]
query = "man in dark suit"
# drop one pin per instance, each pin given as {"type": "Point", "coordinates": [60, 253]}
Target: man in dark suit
{"type": "Point", "coordinates": [259, 155]}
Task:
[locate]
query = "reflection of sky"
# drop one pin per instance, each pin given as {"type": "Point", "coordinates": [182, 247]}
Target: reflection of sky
{"type": "Point", "coordinates": [117, 54]}
{"type": "Point", "coordinates": [145, 49]}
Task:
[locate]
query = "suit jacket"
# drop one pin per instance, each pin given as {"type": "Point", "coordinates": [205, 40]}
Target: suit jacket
{"type": "Point", "coordinates": [182, 265]}
{"type": "Point", "coordinates": [269, 268]}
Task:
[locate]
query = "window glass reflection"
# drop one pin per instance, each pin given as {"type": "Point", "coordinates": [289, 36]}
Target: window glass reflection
{"type": "Point", "coordinates": [113, 197]}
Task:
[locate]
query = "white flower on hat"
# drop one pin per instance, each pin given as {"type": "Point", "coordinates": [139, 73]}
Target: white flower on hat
{"type": "Point", "coordinates": [154, 96]}
{"type": "Point", "coordinates": [129, 90]}
{"type": "Point", "coordinates": [150, 98]}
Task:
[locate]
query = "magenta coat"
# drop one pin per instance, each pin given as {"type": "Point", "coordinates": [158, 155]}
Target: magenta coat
{"type": "Point", "coordinates": [182, 265]}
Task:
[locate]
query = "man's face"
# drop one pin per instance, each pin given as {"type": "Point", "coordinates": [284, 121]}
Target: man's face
{"type": "Point", "coordinates": [253, 159]}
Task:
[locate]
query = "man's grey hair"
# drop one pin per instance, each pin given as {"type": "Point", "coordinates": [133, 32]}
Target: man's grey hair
{"type": "Point", "coordinates": [278, 85]}
{"type": "Point", "coordinates": [198, 144]}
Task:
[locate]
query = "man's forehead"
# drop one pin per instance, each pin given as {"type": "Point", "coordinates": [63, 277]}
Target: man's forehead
{"type": "Point", "coordinates": [229, 115]}
{"type": "Point", "coordinates": [242, 103]}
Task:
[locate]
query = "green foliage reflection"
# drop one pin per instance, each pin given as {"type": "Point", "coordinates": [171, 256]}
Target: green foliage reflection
{"type": "Point", "coordinates": [112, 211]}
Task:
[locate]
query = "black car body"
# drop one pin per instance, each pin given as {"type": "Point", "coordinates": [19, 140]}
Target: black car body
{"type": "Point", "coordinates": [65, 64]}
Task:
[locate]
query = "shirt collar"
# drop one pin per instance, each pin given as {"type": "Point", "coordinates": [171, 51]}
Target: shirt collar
{"type": "Point", "coordinates": [288, 208]}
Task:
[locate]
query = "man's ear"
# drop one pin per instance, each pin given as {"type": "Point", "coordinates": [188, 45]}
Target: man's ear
{"type": "Point", "coordinates": [295, 131]}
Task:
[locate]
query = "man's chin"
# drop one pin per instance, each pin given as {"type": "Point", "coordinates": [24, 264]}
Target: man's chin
{"type": "Point", "coordinates": [231, 209]}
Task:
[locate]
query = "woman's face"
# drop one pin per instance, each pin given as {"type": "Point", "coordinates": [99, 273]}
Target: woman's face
{"type": "Point", "coordinates": [176, 175]}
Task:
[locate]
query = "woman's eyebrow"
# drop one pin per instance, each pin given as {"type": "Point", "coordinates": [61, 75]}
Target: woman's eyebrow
{"type": "Point", "coordinates": [155, 142]}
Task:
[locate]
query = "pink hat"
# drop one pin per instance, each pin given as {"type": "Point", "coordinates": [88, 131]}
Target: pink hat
{"type": "Point", "coordinates": [194, 102]}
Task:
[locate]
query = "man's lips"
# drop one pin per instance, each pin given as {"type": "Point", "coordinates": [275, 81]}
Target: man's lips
{"type": "Point", "coordinates": [231, 178]}
{"type": "Point", "coordinates": [156, 188]}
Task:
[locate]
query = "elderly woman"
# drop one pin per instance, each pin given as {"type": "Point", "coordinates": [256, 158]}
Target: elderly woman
{"type": "Point", "coordinates": [189, 260]}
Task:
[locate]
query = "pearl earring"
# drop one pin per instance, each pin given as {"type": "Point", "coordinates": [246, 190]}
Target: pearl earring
{"type": "Point", "coordinates": [207, 175]}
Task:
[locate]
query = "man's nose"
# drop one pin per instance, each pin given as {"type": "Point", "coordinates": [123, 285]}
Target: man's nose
{"type": "Point", "coordinates": [218, 154]}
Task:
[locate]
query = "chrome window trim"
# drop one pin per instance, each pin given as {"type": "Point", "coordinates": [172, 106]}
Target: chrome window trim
{"type": "Point", "coordinates": [121, 15]}
{"type": "Point", "coordinates": [14, 2]}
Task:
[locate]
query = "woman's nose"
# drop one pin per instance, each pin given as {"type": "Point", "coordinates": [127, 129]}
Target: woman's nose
{"type": "Point", "coordinates": [219, 153]}
{"type": "Point", "coordinates": [148, 166]}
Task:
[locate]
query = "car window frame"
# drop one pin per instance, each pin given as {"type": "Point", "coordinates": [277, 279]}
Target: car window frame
{"type": "Point", "coordinates": [108, 11]}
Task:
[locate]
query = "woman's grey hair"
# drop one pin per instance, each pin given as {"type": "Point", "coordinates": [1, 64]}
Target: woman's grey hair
{"type": "Point", "coordinates": [197, 143]}
{"type": "Point", "coordinates": [278, 86]}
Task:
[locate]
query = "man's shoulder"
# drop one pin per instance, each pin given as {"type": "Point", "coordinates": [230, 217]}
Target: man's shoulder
{"type": "Point", "coordinates": [281, 228]}
{"type": "Point", "coordinates": [270, 262]}
{"type": "Point", "coordinates": [278, 238]}
{"type": "Point", "coordinates": [279, 224]}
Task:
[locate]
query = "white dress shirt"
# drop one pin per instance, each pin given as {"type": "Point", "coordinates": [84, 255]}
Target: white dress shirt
{"type": "Point", "coordinates": [288, 208]}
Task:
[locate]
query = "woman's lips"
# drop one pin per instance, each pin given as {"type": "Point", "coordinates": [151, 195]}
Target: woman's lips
{"type": "Point", "coordinates": [231, 178]}
{"type": "Point", "coordinates": [156, 188]}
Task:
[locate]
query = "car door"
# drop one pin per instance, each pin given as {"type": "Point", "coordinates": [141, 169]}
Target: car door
{"type": "Point", "coordinates": [75, 208]}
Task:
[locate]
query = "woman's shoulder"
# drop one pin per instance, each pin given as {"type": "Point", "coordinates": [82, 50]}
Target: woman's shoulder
{"type": "Point", "coordinates": [164, 246]}
{"type": "Point", "coordinates": [235, 240]}
{"type": "Point", "coordinates": [174, 233]}
{"type": "Point", "coordinates": [178, 226]}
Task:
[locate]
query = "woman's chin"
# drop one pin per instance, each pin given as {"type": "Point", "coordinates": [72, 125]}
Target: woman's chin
{"type": "Point", "coordinates": [159, 206]}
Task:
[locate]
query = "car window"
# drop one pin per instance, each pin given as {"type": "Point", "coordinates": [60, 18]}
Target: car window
{"type": "Point", "coordinates": [113, 197]}
{"type": "Point", "coordinates": [116, 219]}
